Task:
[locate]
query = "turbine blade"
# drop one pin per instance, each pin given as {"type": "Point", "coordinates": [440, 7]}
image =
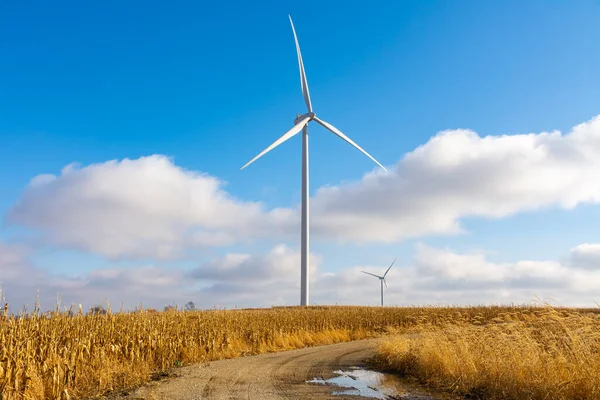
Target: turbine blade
{"type": "Point", "coordinates": [347, 139]}
{"type": "Point", "coordinates": [297, 128]}
{"type": "Point", "coordinates": [389, 268]}
{"type": "Point", "coordinates": [387, 290]}
{"type": "Point", "coordinates": [303, 81]}
{"type": "Point", "coordinates": [368, 273]}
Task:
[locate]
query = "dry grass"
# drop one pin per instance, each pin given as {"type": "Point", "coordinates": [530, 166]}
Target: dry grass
{"type": "Point", "coordinates": [528, 354]}
{"type": "Point", "coordinates": [59, 356]}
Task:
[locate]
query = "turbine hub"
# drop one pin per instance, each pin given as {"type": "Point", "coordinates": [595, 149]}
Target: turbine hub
{"type": "Point", "coordinates": [300, 117]}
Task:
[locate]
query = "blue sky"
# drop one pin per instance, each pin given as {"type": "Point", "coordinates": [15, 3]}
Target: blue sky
{"type": "Point", "coordinates": [212, 85]}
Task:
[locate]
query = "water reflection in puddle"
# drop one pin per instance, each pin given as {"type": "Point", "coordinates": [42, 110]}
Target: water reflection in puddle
{"type": "Point", "coordinates": [363, 382]}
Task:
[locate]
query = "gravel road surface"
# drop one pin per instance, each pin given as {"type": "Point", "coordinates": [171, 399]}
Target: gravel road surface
{"type": "Point", "coordinates": [265, 377]}
{"type": "Point", "coordinates": [282, 375]}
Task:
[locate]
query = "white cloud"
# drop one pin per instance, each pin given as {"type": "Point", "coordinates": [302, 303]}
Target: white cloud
{"type": "Point", "coordinates": [14, 262]}
{"type": "Point", "coordinates": [20, 281]}
{"type": "Point", "coordinates": [246, 280]}
{"type": "Point", "coordinates": [444, 269]}
{"type": "Point", "coordinates": [137, 208]}
{"type": "Point", "coordinates": [281, 263]}
{"type": "Point", "coordinates": [459, 174]}
{"type": "Point", "coordinates": [586, 255]}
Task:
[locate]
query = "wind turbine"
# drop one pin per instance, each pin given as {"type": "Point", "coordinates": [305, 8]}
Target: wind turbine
{"type": "Point", "coordinates": [381, 279]}
{"type": "Point", "coordinates": [301, 124]}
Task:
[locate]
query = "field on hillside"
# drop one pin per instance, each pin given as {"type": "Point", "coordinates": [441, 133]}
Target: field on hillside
{"type": "Point", "coordinates": [60, 356]}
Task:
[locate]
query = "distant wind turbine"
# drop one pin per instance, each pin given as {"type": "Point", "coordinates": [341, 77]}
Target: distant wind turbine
{"type": "Point", "coordinates": [301, 124]}
{"type": "Point", "coordinates": [381, 279]}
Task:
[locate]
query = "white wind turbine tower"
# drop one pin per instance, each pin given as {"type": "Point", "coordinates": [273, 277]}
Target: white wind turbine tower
{"type": "Point", "coordinates": [301, 124]}
{"type": "Point", "coordinates": [381, 279]}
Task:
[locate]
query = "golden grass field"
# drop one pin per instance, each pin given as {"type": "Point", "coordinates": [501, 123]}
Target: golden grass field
{"type": "Point", "coordinates": [495, 350]}
{"type": "Point", "coordinates": [521, 354]}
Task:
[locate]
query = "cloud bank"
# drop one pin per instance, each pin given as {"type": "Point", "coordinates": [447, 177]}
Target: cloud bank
{"type": "Point", "coordinates": [149, 207]}
{"type": "Point", "coordinates": [435, 276]}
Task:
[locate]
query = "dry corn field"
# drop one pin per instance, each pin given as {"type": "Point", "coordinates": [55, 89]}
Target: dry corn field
{"type": "Point", "coordinates": [58, 356]}
{"type": "Point", "coordinates": [524, 354]}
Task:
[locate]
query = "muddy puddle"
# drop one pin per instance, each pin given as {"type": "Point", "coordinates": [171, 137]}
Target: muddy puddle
{"type": "Point", "coordinates": [359, 381]}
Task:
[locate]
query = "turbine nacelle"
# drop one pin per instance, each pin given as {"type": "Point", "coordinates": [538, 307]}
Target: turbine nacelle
{"type": "Point", "coordinates": [309, 115]}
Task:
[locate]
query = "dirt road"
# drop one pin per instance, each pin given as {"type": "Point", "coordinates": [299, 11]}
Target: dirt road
{"type": "Point", "coordinates": [265, 377]}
